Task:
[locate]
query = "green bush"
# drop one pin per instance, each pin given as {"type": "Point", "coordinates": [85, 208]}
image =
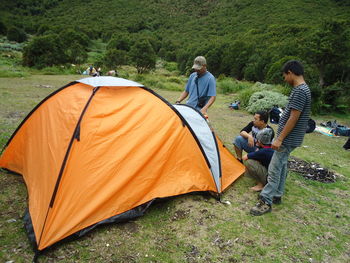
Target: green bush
{"type": "Point", "coordinates": [175, 80]}
{"type": "Point", "coordinates": [3, 28]}
{"type": "Point", "coordinates": [245, 95]}
{"type": "Point", "coordinates": [265, 100]}
{"type": "Point", "coordinates": [170, 66]}
{"type": "Point", "coordinates": [143, 56]}
{"type": "Point", "coordinates": [16, 34]}
{"type": "Point", "coordinates": [44, 51]}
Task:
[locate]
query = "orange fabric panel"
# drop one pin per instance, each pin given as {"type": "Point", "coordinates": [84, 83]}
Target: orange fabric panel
{"type": "Point", "coordinates": [38, 148]}
{"type": "Point", "coordinates": [132, 149]}
{"type": "Point", "coordinates": [231, 168]}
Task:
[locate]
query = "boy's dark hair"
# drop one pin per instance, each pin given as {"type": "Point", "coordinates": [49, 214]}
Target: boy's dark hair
{"type": "Point", "coordinates": [264, 116]}
{"type": "Point", "coordinates": [294, 66]}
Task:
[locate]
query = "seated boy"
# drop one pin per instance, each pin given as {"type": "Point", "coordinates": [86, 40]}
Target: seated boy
{"type": "Point", "coordinates": [257, 163]}
{"type": "Point", "coordinates": [247, 138]}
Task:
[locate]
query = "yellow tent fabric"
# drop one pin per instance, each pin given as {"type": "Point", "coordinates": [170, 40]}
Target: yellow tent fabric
{"type": "Point", "coordinates": [89, 152]}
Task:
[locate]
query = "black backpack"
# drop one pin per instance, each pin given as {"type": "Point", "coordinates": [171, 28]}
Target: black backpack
{"type": "Point", "coordinates": [275, 114]}
{"type": "Point", "coordinates": [347, 145]}
{"type": "Point", "coordinates": [311, 126]}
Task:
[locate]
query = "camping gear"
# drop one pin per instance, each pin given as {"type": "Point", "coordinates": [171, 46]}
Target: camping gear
{"type": "Point", "coordinates": [325, 131]}
{"type": "Point", "coordinates": [341, 130]}
{"type": "Point", "coordinates": [275, 114]}
{"type": "Point", "coordinates": [337, 129]}
{"type": "Point", "coordinates": [311, 126]}
{"type": "Point", "coordinates": [346, 146]}
{"type": "Point", "coordinates": [101, 150]}
{"type": "Point", "coordinates": [235, 105]}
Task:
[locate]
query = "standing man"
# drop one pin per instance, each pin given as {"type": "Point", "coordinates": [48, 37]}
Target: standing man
{"type": "Point", "coordinates": [291, 130]}
{"type": "Point", "coordinates": [201, 87]}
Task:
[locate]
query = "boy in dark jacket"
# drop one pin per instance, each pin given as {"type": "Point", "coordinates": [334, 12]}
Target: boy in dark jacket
{"type": "Point", "coordinates": [257, 163]}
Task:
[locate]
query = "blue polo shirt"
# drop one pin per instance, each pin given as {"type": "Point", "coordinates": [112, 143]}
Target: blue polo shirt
{"type": "Point", "coordinates": [206, 87]}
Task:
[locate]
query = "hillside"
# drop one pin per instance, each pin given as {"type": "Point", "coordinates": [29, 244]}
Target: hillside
{"type": "Point", "coordinates": [246, 39]}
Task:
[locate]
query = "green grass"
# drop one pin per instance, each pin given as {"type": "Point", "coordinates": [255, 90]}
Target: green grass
{"type": "Point", "coordinates": [311, 225]}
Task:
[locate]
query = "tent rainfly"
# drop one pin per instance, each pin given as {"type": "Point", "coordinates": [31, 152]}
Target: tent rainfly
{"type": "Point", "coordinates": [100, 150]}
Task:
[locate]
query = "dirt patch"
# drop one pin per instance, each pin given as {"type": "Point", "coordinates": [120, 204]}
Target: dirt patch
{"type": "Point", "coordinates": [15, 115]}
{"type": "Point", "coordinates": [180, 214]}
{"type": "Point", "coordinates": [312, 171]}
{"type": "Point", "coordinates": [130, 227]}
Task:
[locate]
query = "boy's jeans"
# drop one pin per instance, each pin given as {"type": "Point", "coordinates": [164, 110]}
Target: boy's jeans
{"type": "Point", "coordinates": [277, 174]}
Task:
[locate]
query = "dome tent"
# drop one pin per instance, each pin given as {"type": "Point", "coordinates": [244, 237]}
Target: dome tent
{"type": "Point", "coordinates": [100, 150]}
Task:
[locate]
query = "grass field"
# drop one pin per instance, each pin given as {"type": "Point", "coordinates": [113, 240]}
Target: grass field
{"type": "Point", "coordinates": [311, 225]}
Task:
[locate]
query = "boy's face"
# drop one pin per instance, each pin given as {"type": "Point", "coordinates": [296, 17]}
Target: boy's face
{"type": "Point", "coordinates": [289, 77]}
{"type": "Point", "coordinates": [257, 122]}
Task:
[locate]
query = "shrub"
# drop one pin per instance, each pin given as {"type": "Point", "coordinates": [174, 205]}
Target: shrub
{"type": "Point", "coordinates": [143, 56]}
{"type": "Point", "coordinates": [170, 66]}
{"type": "Point", "coordinates": [115, 58]}
{"type": "Point", "coordinates": [245, 95]}
{"type": "Point", "coordinates": [3, 28]}
{"type": "Point", "coordinates": [175, 80]}
{"type": "Point", "coordinates": [265, 100]}
{"type": "Point", "coordinates": [16, 34]}
{"type": "Point", "coordinates": [44, 51]}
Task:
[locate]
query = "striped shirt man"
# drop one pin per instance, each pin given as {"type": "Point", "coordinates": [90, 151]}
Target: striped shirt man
{"type": "Point", "coordinates": [300, 100]}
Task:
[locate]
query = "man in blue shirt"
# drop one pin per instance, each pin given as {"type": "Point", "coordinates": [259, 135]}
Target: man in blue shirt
{"type": "Point", "coordinates": [200, 87]}
{"type": "Point", "coordinates": [257, 162]}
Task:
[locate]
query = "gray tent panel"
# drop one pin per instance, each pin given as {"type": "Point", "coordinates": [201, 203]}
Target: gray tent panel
{"type": "Point", "coordinates": [206, 138]}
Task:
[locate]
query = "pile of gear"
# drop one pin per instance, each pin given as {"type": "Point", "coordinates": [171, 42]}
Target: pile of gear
{"type": "Point", "coordinates": [337, 129]}
{"type": "Point", "coordinates": [312, 171]}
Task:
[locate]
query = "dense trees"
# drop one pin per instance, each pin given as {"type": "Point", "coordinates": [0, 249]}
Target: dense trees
{"type": "Point", "coordinates": [246, 40]}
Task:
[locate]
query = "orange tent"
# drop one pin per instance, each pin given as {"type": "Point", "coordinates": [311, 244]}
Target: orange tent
{"type": "Point", "coordinates": [99, 150]}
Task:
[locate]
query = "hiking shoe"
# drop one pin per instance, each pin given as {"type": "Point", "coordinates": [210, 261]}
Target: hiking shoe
{"type": "Point", "coordinates": [260, 208]}
{"type": "Point", "coordinates": [277, 200]}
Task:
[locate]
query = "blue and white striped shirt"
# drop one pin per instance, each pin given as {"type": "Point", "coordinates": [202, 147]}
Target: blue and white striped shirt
{"type": "Point", "coordinates": [300, 100]}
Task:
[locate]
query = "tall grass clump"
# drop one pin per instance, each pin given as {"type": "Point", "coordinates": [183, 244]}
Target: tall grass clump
{"type": "Point", "coordinates": [228, 85]}
{"type": "Point", "coordinates": [59, 70]}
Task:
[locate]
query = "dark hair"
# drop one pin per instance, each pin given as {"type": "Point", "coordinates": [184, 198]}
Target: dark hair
{"type": "Point", "coordinates": [294, 66]}
{"type": "Point", "coordinates": [264, 116]}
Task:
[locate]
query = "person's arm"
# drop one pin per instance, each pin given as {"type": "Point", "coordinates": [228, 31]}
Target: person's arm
{"type": "Point", "coordinates": [245, 133]}
{"type": "Point", "coordinates": [206, 106]}
{"type": "Point", "coordinates": [290, 124]}
{"type": "Point", "coordinates": [183, 96]}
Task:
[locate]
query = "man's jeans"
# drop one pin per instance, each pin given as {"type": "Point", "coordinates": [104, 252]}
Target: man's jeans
{"type": "Point", "coordinates": [277, 174]}
{"type": "Point", "coordinates": [242, 144]}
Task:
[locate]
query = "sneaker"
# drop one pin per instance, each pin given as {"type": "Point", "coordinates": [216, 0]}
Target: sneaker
{"type": "Point", "coordinates": [260, 208]}
{"type": "Point", "coordinates": [277, 200]}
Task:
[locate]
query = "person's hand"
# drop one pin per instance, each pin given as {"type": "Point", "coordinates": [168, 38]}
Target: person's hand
{"type": "Point", "coordinates": [204, 111]}
{"type": "Point", "coordinates": [251, 141]}
{"type": "Point", "coordinates": [245, 157]}
{"type": "Point", "coordinates": [276, 144]}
